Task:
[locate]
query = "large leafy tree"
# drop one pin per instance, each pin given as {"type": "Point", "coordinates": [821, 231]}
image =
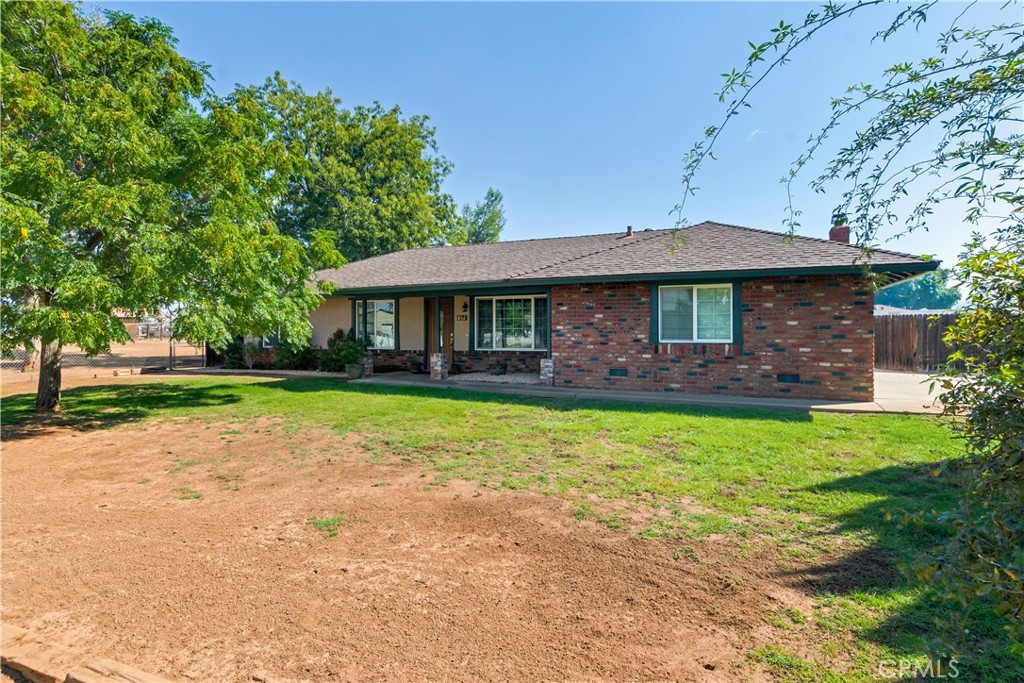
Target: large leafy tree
{"type": "Point", "coordinates": [483, 221]}
{"type": "Point", "coordinates": [127, 187]}
{"type": "Point", "coordinates": [943, 132]}
{"type": "Point", "coordinates": [367, 179]}
{"type": "Point", "coordinates": [931, 290]}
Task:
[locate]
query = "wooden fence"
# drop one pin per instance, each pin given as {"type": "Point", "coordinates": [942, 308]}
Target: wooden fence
{"type": "Point", "coordinates": [911, 342]}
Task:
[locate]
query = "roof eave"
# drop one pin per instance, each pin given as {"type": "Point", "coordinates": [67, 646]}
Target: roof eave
{"type": "Point", "coordinates": [893, 272]}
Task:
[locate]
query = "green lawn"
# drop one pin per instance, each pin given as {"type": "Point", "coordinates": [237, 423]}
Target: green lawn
{"type": "Point", "coordinates": [813, 486]}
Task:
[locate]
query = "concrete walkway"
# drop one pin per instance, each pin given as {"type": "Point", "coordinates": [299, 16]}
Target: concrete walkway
{"type": "Point", "coordinates": [895, 392]}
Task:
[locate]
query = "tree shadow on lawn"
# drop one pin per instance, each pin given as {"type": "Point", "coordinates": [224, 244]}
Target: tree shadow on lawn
{"type": "Point", "coordinates": [104, 406]}
{"type": "Point", "coordinates": [554, 403]}
{"type": "Point", "coordinates": [915, 618]}
{"type": "Point", "coordinates": [897, 491]}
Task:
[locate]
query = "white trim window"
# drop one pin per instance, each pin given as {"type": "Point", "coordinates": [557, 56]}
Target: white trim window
{"type": "Point", "coordinates": [695, 313]}
{"type": "Point", "coordinates": [379, 324]}
{"type": "Point", "coordinates": [512, 323]}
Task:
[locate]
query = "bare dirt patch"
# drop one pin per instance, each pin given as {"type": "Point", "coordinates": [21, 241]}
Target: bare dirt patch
{"type": "Point", "coordinates": [184, 548]}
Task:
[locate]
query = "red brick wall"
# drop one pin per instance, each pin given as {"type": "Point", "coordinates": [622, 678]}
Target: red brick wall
{"type": "Point", "coordinates": [385, 360]}
{"type": "Point", "coordinates": [803, 337]}
{"type": "Point", "coordinates": [480, 361]}
{"type": "Point", "coordinates": [465, 361]}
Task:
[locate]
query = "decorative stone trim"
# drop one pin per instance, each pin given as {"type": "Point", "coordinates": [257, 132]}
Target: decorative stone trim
{"type": "Point", "coordinates": [547, 372]}
{"type": "Point", "coordinates": [439, 366]}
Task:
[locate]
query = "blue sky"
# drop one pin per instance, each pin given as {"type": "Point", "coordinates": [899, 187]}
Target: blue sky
{"type": "Point", "coordinates": [579, 113]}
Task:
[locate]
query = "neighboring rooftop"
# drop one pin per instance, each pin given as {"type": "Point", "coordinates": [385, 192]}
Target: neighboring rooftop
{"type": "Point", "coordinates": [700, 250]}
{"type": "Point", "coordinates": [882, 309]}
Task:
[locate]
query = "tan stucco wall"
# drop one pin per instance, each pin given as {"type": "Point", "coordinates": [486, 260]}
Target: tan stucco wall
{"type": "Point", "coordinates": [333, 313]}
{"type": "Point", "coordinates": [410, 323]}
{"type": "Point", "coordinates": [461, 326]}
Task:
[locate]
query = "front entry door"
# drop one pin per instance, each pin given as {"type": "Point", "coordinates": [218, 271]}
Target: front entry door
{"type": "Point", "coordinates": [441, 327]}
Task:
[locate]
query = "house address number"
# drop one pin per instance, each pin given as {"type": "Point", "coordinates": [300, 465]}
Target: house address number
{"type": "Point", "coordinates": [462, 317]}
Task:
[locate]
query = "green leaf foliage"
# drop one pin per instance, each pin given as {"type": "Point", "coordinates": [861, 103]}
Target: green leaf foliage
{"type": "Point", "coordinates": [984, 560]}
{"type": "Point", "coordinates": [365, 180]}
{"type": "Point", "coordinates": [342, 349]}
{"type": "Point", "coordinates": [484, 220]}
{"type": "Point", "coordinates": [126, 186]}
{"type": "Point", "coordinates": [964, 101]}
{"type": "Point", "coordinates": [931, 290]}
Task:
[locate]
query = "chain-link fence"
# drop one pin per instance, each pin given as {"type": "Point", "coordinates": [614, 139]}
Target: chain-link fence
{"type": "Point", "coordinates": [149, 353]}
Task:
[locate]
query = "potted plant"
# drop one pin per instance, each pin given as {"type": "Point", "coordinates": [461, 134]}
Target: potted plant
{"type": "Point", "coordinates": [415, 365]}
{"type": "Point", "coordinates": [498, 367]}
{"type": "Point", "coordinates": [344, 354]}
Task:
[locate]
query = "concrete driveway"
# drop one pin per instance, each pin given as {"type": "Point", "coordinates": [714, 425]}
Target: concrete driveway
{"type": "Point", "coordinates": [905, 392]}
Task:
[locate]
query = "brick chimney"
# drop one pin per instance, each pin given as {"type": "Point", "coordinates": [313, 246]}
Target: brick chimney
{"type": "Point", "coordinates": [840, 232]}
{"type": "Point", "coordinates": [629, 231]}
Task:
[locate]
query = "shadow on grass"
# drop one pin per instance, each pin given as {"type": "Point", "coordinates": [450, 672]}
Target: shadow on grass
{"type": "Point", "coordinates": [553, 403]}
{"type": "Point", "coordinates": [896, 491]}
{"type": "Point", "coordinates": [869, 568]}
{"type": "Point", "coordinates": [100, 407]}
{"type": "Point", "coordinates": [915, 619]}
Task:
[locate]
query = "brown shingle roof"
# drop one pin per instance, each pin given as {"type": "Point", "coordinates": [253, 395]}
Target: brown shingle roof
{"type": "Point", "coordinates": [698, 250]}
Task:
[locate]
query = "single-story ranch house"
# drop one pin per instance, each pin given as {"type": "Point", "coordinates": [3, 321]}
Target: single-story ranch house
{"type": "Point", "coordinates": [712, 308]}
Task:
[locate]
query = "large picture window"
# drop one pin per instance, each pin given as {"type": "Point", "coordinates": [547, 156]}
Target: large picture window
{"type": "Point", "coordinates": [375, 322]}
{"type": "Point", "coordinates": [512, 323]}
{"type": "Point", "coordinates": [695, 313]}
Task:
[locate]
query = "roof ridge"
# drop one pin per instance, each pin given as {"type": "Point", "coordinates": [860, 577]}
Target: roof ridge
{"type": "Point", "coordinates": [635, 239]}
{"type": "Point", "coordinates": [804, 237]}
{"type": "Point", "coordinates": [528, 239]}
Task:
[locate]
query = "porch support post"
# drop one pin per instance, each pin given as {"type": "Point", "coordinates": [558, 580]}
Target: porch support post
{"type": "Point", "coordinates": [551, 326]}
{"type": "Point", "coordinates": [426, 333]}
{"type": "Point", "coordinates": [437, 322]}
{"type": "Point", "coordinates": [398, 325]}
{"type": "Point", "coordinates": [439, 366]}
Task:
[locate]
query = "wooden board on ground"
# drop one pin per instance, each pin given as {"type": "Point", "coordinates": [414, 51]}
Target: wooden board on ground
{"type": "Point", "coordinates": [109, 671]}
{"type": "Point", "coordinates": [42, 662]}
{"type": "Point", "coordinates": [36, 659]}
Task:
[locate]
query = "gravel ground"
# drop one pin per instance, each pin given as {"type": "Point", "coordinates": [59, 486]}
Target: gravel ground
{"type": "Point", "coordinates": [486, 377]}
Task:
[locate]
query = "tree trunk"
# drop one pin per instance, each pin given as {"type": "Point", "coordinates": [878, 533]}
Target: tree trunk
{"type": "Point", "coordinates": [48, 394]}
{"type": "Point", "coordinates": [31, 363]}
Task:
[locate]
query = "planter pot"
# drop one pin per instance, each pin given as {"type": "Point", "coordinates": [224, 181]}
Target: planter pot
{"type": "Point", "coordinates": [498, 368]}
{"type": "Point", "coordinates": [354, 370]}
{"type": "Point", "coordinates": [415, 366]}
